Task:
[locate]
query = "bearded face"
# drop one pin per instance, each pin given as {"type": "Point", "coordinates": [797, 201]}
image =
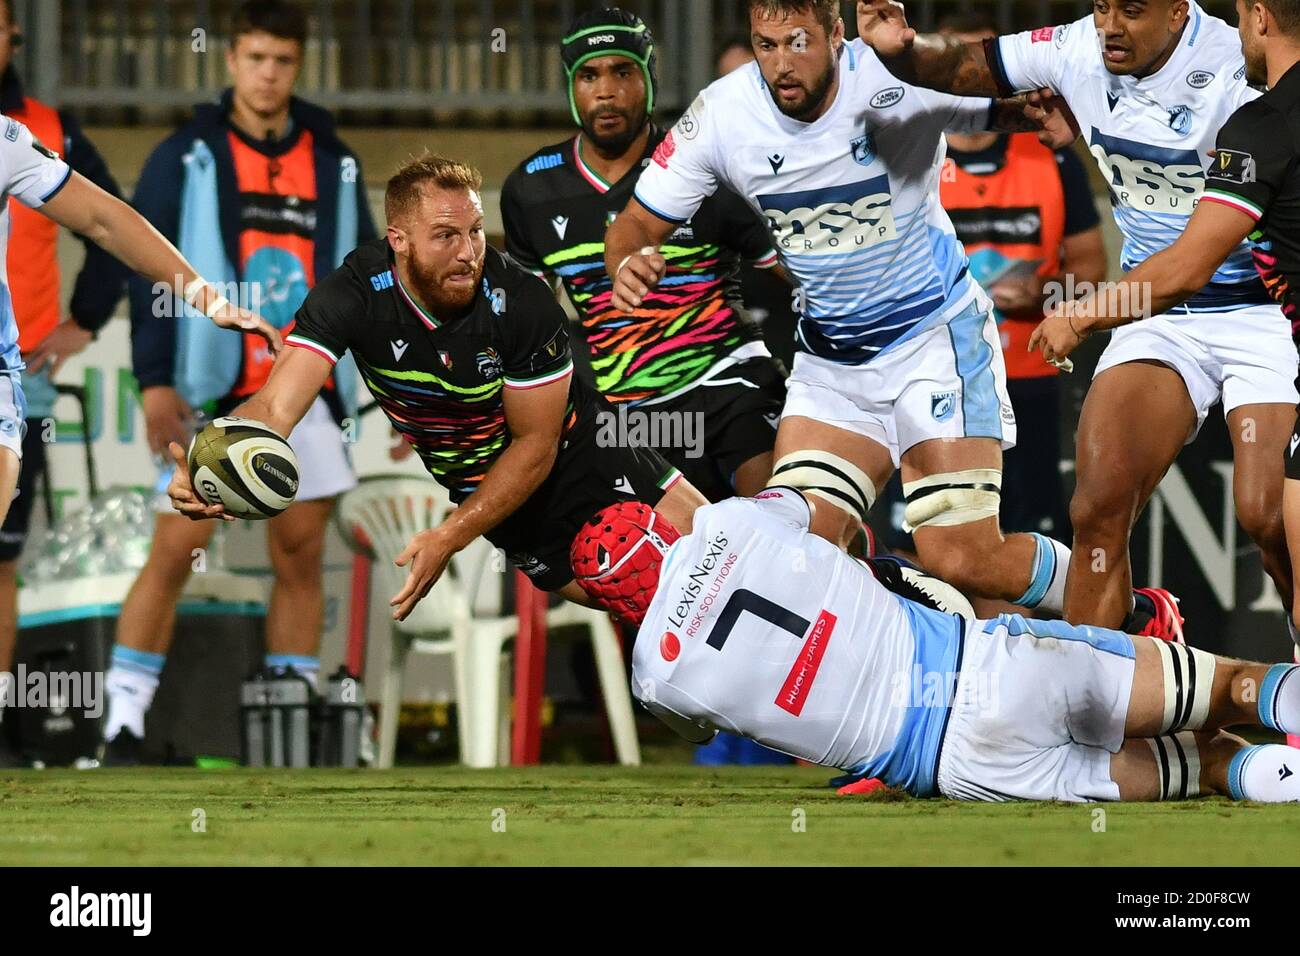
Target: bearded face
{"type": "Point", "coordinates": [444, 286]}
{"type": "Point", "coordinates": [440, 245]}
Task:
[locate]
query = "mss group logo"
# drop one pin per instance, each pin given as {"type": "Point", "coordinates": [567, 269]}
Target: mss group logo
{"type": "Point", "coordinates": [831, 220]}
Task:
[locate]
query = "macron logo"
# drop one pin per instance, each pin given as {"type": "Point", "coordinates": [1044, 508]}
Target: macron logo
{"type": "Point", "coordinates": [561, 224]}
{"type": "Point", "coordinates": [623, 486]}
{"type": "Point", "coordinates": [1295, 440]}
{"type": "Point", "coordinates": [75, 909]}
{"type": "Point", "coordinates": [399, 349]}
{"type": "Point", "coordinates": [776, 160]}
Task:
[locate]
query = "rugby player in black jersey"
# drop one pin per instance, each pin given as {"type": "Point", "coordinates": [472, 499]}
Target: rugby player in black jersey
{"type": "Point", "coordinates": [1251, 190]}
{"type": "Point", "coordinates": [468, 355]}
{"type": "Point", "coordinates": [689, 349]}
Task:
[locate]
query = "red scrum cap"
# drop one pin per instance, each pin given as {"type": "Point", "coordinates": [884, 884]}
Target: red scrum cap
{"type": "Point", "coordinates": [616, 557]}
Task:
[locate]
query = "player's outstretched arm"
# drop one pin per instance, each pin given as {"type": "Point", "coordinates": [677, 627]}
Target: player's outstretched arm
{"type": "Point", "coordinates": [1041, 112]}
{"type": "Point", "coordinates": [535, 417]}
{"type": "Point", "coordinates": [121, 231]}
{"type": "Point", "coordinates": [294, 383]}
{"type": "Point", "coordinates": [1164, 280]}
{"type": "Point", "coordinates": [632, 256]}
{"type": "Point", "coordinates": [924, 59]}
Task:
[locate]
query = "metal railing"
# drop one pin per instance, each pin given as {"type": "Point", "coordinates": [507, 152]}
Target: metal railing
{"type": "Point", "coordinates": [411, 61]}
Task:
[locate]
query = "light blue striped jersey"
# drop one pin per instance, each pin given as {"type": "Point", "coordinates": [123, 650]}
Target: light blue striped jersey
{"type": "Point", "coordinates": [1152, 137]}
{"type": "Point", "coordinates": [32, 174]}
{"type": "Point", "coordinates": [760, 627]}
{"type": "Point", "coordinates": [850, 199]}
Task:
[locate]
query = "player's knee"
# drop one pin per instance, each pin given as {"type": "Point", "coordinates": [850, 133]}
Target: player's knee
{"type": "Point", "coordinates": [948, 499]}
{"type": "Point", "coordinates": [8, 571]}
{"type": "Point", "coordinates": [1261, 518]}
{"type": "Point", "coordinates": [1105, 510]}
{"type": "Point", "coordinates": [297, 559]}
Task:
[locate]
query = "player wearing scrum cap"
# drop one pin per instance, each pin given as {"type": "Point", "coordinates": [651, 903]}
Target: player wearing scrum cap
{"type": "Point", "coordinates": [898, 363]}
{"type": "Point", "coordinates": [750, 623]}
{"type": "Point", "coordinates": [689, 349]}
{"type": "Point", "coordinates": [468, 355]}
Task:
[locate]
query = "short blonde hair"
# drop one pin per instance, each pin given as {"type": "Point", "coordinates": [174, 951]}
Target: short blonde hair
{"type": "Point", "coordinates": [406, 187]}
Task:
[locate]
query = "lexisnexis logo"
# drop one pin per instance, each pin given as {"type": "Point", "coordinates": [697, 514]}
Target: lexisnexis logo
{"type": "Point", "coordinates": [835, 220]}
{"type": "Point", "coordinates": [1153, 178]}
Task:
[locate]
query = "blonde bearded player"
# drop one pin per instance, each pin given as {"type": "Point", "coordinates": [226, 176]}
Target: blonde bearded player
{"type": "Point", "coordinates": [752, 624]}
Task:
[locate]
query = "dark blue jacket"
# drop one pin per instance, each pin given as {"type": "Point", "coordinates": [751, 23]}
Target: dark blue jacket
{"type": "Point", "coordinates": [158, 199]}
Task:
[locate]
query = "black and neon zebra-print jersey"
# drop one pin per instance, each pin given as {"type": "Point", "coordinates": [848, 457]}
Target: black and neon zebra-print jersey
{"type": "Point", "coordinates": [556, 210]}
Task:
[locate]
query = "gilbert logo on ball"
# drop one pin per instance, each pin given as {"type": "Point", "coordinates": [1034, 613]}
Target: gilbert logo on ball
{"type": "Point", "coordinates": [244, 466]}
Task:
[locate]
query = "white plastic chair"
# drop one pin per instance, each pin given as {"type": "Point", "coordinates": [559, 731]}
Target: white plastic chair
{"type": "Point", "coordinates": [388, 511]}
{"type": "Point", "coordinates": [464, 610]}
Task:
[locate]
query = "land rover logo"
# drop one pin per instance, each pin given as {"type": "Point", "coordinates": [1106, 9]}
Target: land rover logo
{"type": "Point", "coordinates": [887, 98]}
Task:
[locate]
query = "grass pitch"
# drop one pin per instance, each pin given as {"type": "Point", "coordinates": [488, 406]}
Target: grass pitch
{"type": "Point", "coordinates": [585, 815]}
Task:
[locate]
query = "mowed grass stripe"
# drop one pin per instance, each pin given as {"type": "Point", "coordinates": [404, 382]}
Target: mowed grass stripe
{"type": "Point", "coordinates": [588, 815]}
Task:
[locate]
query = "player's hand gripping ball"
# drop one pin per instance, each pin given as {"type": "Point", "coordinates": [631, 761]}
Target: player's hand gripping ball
{"type": "Point", "coordinates": [243, 466]}
{"type": "Point", "coordinates": [616, 557]}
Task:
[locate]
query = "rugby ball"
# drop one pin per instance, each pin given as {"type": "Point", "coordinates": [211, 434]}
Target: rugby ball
{"type": "Point", "coordinates": [244, 466]}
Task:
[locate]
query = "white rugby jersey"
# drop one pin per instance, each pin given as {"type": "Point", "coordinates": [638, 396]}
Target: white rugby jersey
{"type": "Point", "coordinates": [851, 200]}
{"type": "Point", "coordinates": [33, 174]}
{"type": "Point", "coordinates": [1151, 137]}
{"type": "Point", "coordinates": [761, 628]}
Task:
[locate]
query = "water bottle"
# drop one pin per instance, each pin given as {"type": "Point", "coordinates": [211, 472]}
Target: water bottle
{"type": "Point", "coordinates": [343, 709]}
{"type": "Point", "coordinates": [252, 714]}
{"type": "Point", "coordinates": [287, 696]}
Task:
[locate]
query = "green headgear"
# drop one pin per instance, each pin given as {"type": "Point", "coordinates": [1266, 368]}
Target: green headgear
{"type": "Point", "coordinates": [609, 32]}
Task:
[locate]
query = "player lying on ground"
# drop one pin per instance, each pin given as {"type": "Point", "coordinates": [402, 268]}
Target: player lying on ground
{"type": "Point", "coordinates": [898, 362]}
{"type": "Point", "coordinates": [44, 182]}
{"type": "Point", "coordinates": [1150, 82]}
{"type": "Point", "coordinates": [468, 356]}
{"type": "Point", "coordinates": [754, 625]}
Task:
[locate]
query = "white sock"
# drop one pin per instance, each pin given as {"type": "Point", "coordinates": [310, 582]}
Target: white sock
{"type": "Point", "coordinates": [129, 695]}
{"type": "Point", "coordinates": [1269, 773]}
{"type": "Point", "coordinates": [1279, 698]}
{"type": "Point", "coordinates": [1054, 601]}
{"type": "Point", "coordinates": [305, 665]}
{"type": "Point", "coordinates": [1050, 567]}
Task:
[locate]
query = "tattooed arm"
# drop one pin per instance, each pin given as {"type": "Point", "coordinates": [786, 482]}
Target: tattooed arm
{"type": "Point", "coordinates": [925, 59]}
